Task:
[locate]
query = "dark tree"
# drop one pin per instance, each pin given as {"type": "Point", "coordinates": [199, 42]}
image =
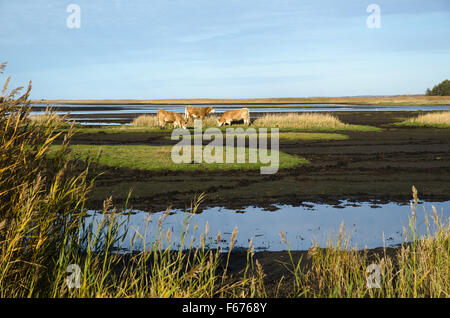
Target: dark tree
{"type": "Point", "coordinates": [441, 89]}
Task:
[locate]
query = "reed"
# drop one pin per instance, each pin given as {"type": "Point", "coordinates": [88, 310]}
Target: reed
{"type": "Point", "coordinates": [434, 119]}
{"type": "Point", "coordinates": [145, 121]}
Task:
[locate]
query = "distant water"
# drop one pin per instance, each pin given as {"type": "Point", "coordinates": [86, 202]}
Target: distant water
{"type": "Point", "coordinates": [124, 113]}
{"type": "Point", "coordinates": [367, 224]}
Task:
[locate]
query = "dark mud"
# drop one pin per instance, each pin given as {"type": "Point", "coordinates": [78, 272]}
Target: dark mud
{"type": "Point", "coordinates": [368, 166]}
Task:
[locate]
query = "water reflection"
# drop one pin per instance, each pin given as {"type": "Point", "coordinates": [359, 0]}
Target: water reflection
{"type": "Point", "coordinates": [365, 225]}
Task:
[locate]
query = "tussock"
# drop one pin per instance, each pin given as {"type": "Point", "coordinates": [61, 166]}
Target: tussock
{"type": "Point", "coordinates": [150, 121]}
{"type": "Point", "coordinates": [430, 119]}
{"type": "Point", "coordinates": [302, 121]}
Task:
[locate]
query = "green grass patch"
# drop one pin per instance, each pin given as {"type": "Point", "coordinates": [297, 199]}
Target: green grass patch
{"type": "Point", "coordinates": [311, 136]}
{"type": "Point", "coordinates": [415, 124]}
{"type": "Point", "coordinates": [159, 158]}
{"type": "Point", "coordinates": [296, 136]}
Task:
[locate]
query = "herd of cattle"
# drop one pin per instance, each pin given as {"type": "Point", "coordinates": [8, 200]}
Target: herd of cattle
{"type": "Point", "coordinates": [178, 120]}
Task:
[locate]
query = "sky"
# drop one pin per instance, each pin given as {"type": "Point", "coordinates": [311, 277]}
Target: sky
{"type": "Point", "coordinates": [156, 49]}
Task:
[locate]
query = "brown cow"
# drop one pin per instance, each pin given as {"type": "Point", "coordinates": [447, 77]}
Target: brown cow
{"type": "Point", "coordinates": [197, 112]}
{"type": "Point", "coordinates": [165, 116]}
{"type": "Point", "coordinates": [234, 115]}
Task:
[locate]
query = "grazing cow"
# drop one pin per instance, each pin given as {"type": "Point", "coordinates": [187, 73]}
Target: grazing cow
{"type": "Point", "coordinates": [197, 112]}
{"type": "Point", "coordinates": [165, 116]}
{"type": "Point", "coordinates": [234, 115]}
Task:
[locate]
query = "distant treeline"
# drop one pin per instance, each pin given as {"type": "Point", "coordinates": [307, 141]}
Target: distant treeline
{"type": "Point", "coordinates": [441, 89]}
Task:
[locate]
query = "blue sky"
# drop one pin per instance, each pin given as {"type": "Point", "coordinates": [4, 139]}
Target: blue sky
{"type": "Point", "coordinates": [224, 49]}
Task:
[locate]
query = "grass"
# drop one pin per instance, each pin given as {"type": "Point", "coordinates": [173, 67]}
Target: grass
{"type": "Point", "coordinates": [434, 119]}
{"type": "Point", "coordinates": [311, 136]}
{"type": "Point", "coordinates": [287, 136]}
{"type": "Point", "coordinates": [150, 121]}
{"type": "Point", "coordinates": [308, 121]}
{"type": "Point", "coordinates": [156, 158]}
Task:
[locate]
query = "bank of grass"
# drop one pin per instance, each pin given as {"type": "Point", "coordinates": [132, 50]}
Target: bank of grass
{"type": "Point", "coordinates": [155, 158]}
{"type": "Point", "coordinates": [308, 121]}
{"type": "Point", "coordinates": [293, 121]}
{"type": "Point", "coordinates": [151, 121]}
{"type": "Point", "coordinates": [434, 119]}
{"type": "Point", "coordinates": [291, 136]}
{"type": "Point", "coordinates": [311, 136]}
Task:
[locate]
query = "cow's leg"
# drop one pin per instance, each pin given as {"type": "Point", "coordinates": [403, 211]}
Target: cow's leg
{"type": "Point", "coordinates": [162, 124]}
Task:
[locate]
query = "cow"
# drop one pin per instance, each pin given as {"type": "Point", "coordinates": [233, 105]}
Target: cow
{"type": "Point", "coordinates": [197, 112]}
{"type": "Point", "coordinates": [165, 116]}
{"type": "Point", "coordinates": [234, 115]}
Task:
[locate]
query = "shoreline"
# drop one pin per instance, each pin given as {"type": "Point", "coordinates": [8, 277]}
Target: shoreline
{"type": "Point", "coordinates": [400, 100]}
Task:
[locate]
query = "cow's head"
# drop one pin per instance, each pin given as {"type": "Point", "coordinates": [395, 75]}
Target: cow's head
{"type": "Point", "coordinates": [220, 122]}
{"type": "Point", "coordinates": [211, 110]}
{"type": "Point", "coordinates": [183, 123]}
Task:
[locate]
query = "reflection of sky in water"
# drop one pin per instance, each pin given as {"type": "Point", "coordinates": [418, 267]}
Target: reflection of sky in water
{"type": "Point", "coordinates": [366, 226]}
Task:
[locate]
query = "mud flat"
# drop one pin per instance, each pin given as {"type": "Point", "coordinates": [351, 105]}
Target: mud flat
{"type": "Point", "coordinates": [380, 166]}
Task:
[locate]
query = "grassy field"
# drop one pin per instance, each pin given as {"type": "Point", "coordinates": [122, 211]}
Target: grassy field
{"type": "Point", "coordinates": [376, 100]}
{"type": "Point", "coordinates": [156, 158]}
{"type": "Point", "coordinates": [286, 136]}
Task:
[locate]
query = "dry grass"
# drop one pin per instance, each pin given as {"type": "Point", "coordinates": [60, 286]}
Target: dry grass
{"type": "Point", "coordinates": [376, 100]}
{"type": "Point", "coordinates": [146, 121]}
{"type": "Point", "coordinates": [435, 119]}
{"type": "Point", "coordinates": [302, 121]}
{"type": "Point", "coordinates": [151, 121]}
{"type": "Point", "coordinates": [51, 118]}
{"type": "Point", "coordinates": [209, 121]}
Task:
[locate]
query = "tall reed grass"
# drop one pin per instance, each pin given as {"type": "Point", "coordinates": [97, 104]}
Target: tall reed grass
{"type": "Point", "coordinates": [150, 121]}
{"type": "Point", "coordinates": [302, 121]}
{"type": "Point", "coordinates": [49, 118]}
{"type": "Point", "coordinates": [430, 119]}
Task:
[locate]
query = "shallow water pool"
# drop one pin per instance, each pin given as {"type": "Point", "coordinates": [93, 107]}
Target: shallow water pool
{"type": "Point", "coordinates": [366, 225]}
